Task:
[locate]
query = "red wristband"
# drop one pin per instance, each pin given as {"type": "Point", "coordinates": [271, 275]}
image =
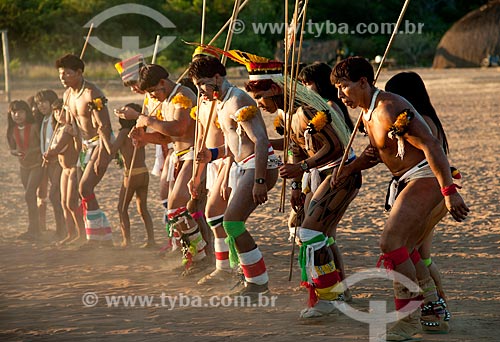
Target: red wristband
{"type": "Point", "coordinates": [450, 189]}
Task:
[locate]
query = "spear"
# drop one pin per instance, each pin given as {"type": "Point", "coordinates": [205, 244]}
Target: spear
{"type": "Point", "coordinates": [293, 89]}
{"type": "Point", "coordinates": [358, 122]}
{"type": "Point", "coordinates": [217, 35]}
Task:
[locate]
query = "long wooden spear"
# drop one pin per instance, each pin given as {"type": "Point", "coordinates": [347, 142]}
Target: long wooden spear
{"type": "Point", "coordinates": [217, 35]}
{"type": "Point", "coordinates": [293, 84]}
{"type": "Point", "coordinates": [227, 45]}
{"type": "Point", "coordinates": [293, 89]}
{"type": "Point", "coordinates": [82, 53]}
{"type": "Point", "coordinates": [198, 99]}
{"type": "Point", "coordinates": [288, 43]}
{"type": "Point", "coordinates": [358, 122]}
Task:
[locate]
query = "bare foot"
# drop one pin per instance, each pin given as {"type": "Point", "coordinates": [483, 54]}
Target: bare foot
{"type": "Point", "coordinates": [125, 244]}
{"type": "Point", "coordinates": [66, 240]}
{"type": "Point", "coordinates": [149, 244]}
{"type": "Point", "coordinates": [78, 240]}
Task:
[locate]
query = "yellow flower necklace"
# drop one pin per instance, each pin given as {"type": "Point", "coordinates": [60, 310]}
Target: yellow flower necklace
{"type": "Point", "coordinates": [182, 101]}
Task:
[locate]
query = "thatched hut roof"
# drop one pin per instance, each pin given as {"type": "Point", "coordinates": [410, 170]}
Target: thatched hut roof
{"type": "Point", "coordinates": [471, 39]}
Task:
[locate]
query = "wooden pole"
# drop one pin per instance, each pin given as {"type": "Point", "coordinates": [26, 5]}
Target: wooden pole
{"type": "Point", "coordinates": [203, 15]}
{"type": "Point", "coordinates": [287, 96]}
{"type": "Point", "coordinates": [358, 122]}
{"type": "Point", "coordinates": [6, 62]}
{"type": "Point", "coordinates": [292, 95]}
{"type": "Point", "coordinates": [229, 36]}
{"type": "Point", "coordinates": [86, 41]}
{"type": "Point", "coordinates": [217, 35]}
{"type": "Point", "coordinates": [155, 50]}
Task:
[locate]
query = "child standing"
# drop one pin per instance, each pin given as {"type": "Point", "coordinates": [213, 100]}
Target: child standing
{"type": "Point", "coordinates": [138, 182]}
{"type": "Point", "coordinates": [66, 146]}
{"type": "Point", "coordinates": [43, 101]}
{"type": "Point", "coordinates": [23, 136]}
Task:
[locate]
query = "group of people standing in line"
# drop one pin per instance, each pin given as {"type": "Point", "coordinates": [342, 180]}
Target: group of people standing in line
{"type": "Point", "coordinates": [216, 165]}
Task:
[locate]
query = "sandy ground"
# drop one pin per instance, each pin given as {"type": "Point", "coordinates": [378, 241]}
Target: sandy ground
{"type": "Point", "coordinates": [42, 285]}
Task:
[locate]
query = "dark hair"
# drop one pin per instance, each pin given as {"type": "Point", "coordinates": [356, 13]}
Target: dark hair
{"type": "Point", "coordinates": [57, 104]}
{"type": "Point", "coordinates": [46, 95]}
{"type": "Point", "coordinates": [71, 62]}
{"type": "Point", "coordinates": [130, 83]}
{"type": "Point", "coordinates": [352, 68]}
{"type": "Point", "coordinates": [127, 124]}
{"type": "Point", "coordinates": [34, 109]}
{"type": "Point", "coordinates": [187, 82]}
{"type": "Point", "coordinates": [15, 106]}
{"type": "Point", "coordinates": [150, 75]}
{"type": "Point", "coordinates": [206, 66]}
{"type": "Point", "coordinates": [259, 85]}
{"type": "Point", "coordinates": [319, 74]}
{"type": "Point", "coordinates": [411, 86]}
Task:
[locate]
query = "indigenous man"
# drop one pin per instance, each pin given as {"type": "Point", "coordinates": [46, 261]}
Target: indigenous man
{"type": "Point", "coordinates": [87, 104]}
{"type": "Point", "coordinates": [403, 141]}
{"type": "Point", "coordinates": [246, 138]}
{"type": "Point", "coordinates": [177, 125]}
{"type": "Point", "coordinates": [318, 135]}
{"type": "Point", "coordinates": [217, 179]}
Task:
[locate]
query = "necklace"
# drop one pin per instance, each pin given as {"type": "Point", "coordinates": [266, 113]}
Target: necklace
{"type": "Point", "coordinates": [368, 115]}
{"type": "Point", "coordinates": [82, 89]}
{"type": "Point", "coordinates": [222, 102]}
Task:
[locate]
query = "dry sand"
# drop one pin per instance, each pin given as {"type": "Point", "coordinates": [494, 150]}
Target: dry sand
{"type": "Point", "coordinates": [41, 285]}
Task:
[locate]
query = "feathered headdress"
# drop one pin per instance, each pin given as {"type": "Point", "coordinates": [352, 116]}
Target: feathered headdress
{"type": "Point", "coordinates": [129, 68]}
{"type": "Point", "coordinates": [205, 51]}
{"type": "Point", "coordinates": [258, 68]}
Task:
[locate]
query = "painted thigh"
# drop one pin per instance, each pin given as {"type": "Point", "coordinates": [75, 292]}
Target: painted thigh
{"type": "Point", "coordinates": [328, 205]}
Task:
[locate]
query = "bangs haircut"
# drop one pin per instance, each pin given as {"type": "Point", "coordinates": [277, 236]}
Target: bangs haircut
{"type": "Point", "coordinates": [206, 67]}
{"type": "Point", "coordinates": [126, 124]}
{"type": "Point", "coordinates": [17, 105]}
{"type": "Point", "coordinates": [46, 95]}
{"type": "Point", "coordinates": [352, 69]}
{"type": "Point", "coordinates": [70, 61]}
{"type": "Point", "coordinates": [150, 75]}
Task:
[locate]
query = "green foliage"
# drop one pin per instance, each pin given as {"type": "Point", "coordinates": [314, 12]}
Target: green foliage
{"type": "Point", "coordinates": [40, 31]}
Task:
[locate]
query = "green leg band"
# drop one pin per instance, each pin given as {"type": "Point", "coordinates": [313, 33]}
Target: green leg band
{"type": "Point", "coordinates": [303, 258]}
{"type": "Point", "coordinates": [427, 262]}
{"type": "Point", "coordinates": [233, 230]}
{"type": "Point", "coordinates": [169, 231]}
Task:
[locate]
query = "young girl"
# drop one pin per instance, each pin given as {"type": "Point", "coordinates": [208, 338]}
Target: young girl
{"type": "Point", "coordinates": [23, 136]}
{"type": "Point", "coordinates": [138, 182]}
{"type": "Point", "coordinates": [66, 145]}
{"type": "Point", "coordinates": [43, 101]}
